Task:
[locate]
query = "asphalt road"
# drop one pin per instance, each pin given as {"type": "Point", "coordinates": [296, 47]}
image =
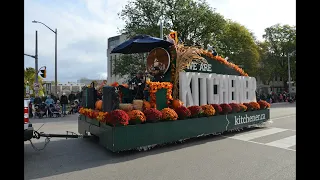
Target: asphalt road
{"type": "Point", "coordinates": [264, 154]}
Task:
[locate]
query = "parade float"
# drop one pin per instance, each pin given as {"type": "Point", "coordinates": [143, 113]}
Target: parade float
{"type": "Point", "coordinates": [200, 94]}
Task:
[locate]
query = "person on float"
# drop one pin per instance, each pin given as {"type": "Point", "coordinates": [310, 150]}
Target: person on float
{"type": "Point", "coordinates": [157, 75]}
{"type": "Point", "coordinates": [136, 85]}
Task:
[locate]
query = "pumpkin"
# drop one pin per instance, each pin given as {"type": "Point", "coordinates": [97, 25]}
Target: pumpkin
{"type": "Point", "coordinates": [98, 105]}
{"type": "Point", "coordinates": [176, 103]}
{"type": "Point", "coordinates": [146, 105]}
{"type": "Point", "coordinates": [126, 107]}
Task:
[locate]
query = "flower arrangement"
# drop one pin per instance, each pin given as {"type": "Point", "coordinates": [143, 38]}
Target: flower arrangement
{"type": "Point", "coordinates": [118, 117]}
{"type": "Point", "coordinates": [263, 104]}
{"type": "Point", "coordinates": [183, 112]}
{"type": "Point", "coordinates": [92, 114]}
{"type": "Point", "coordinates": [169, 114]}
{"type": "Point", "coordinates": [223, 61]}
{"type": "Point", "coordinates": [102, 116]}
{"type": "Point", "coordinates": [217, 108]}
{"type": "Point", "coordinates": [249, 106]}
{"type": "Point", "coordinates": [208, 110]}
{"type": "Point", "coordinates": [226, 108]}
{"type": "Point", "coordinates": [255, 105]}
{"type": "Point", "coordinates": [152, 115]}
{"type": "Point", "coordinates": [196, 111]}
{"type": "Point", "coordinates": [243, 108]}
{"type": "Point", "coordinates": [146, 105]}
{"type": "Point", "coordinates": [136, 117]}
{"type": "Point", "coordinates": [114, 84]}
{"type": "Point", "coordinates": [84, 111]}
{"type": "Point", "coordinates": [154, 87]}
{"type": "Point", "coordinates": [235, 107]}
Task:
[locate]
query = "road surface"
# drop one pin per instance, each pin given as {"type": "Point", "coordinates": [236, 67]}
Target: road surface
{"type": "Point", "coordinates": [264, 154]}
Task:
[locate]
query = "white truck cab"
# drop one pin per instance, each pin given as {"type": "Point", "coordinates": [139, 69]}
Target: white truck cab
{"type": "Point", "coordinates": [28, 129]}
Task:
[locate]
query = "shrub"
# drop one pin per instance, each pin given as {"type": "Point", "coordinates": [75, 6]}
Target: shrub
{"type": "Point", "coordinates": [218, 108]}
{"type": "Point", "coordinates": [183, 112]}
{"type": "Point", "coordinates": [169, 114]}
{"type": "Point", "coordinates": [152, 115]}
{"type": "Point", "coordinates": [208, 110]}
{"type": "Point", "coordinates": [118, 117]}
{"type": "Point", "coordinates": [255, 105]}
{"type": "Point", "coordinates": [243, 108]}
{"type": "Point", "coordinates": [136, 117]}
{"type": "Point", "coordinates": [196, 111]}
{"type": "Point", "coordinates": [235, 107]}
{"type": "Point", "coordinates": [226, 108]}
{"type": "Point", "coordinates": [263, 104]}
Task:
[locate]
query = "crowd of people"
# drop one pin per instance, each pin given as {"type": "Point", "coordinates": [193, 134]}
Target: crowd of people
{"type": "Point", "coordinates": [273, 97]}
{"type": "Point", "coordinates": [52, 106]}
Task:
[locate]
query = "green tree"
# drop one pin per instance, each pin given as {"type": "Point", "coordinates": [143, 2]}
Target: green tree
{"type": "Point", "coordinates": [129, 64]}
{"type": "Point", "coordinates": [194, 21]}
{"type": "Point", "coordinates": [29, 79]}
{"type": "Point", "coordinates": [281, 41]}
{"type": "Point", "coordinates": [238, 44]}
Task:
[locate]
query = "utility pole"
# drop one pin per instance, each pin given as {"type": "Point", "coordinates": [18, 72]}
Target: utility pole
{"type": "Point", "coordinates": [56, 63]}
{"type": "Point", "coordinates": [289, 74]}
{"type": "Point", "coordinates": [36, 66]}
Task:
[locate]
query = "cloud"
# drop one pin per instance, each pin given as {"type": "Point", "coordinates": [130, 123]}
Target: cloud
{"type": "Point", "coordinates": [84, 27]}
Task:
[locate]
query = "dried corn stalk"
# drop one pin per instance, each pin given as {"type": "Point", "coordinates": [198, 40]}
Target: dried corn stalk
{"type": "Point", "coordinates": [185, 56]}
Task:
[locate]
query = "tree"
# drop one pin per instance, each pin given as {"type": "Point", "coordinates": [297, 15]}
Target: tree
{"type": "Point", "coordinates": [194, 21]}
{"type": "Point", "coordinates": [238, 44]}
{"type": "Point", "coordinates": [29, 79]}
{"type": "Point", "coordinates": [281, 41]}
{"type": "Point", "coordinates": [129, 64]}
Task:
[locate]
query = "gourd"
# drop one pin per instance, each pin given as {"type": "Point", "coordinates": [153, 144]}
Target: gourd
{"type": "Point", "coordinates": [176, 103]}
{"type": "Point", "coordinates": [98, 105]}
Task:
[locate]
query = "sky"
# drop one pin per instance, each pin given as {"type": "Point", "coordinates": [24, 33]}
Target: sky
{"type": "Point", "coordinates": [84, 27]}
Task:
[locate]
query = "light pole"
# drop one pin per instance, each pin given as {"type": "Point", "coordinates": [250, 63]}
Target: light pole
{"type": "Point", "coordinates": [36, 64]}
{"type": "Point", "coordinates": [55, 55]}
{"type": "Point", "coordinates": [289, 71]}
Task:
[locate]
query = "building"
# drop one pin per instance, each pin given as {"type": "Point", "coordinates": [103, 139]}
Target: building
{"type": "Point", "coordinates": [66, 88]}
{"type": "Point", "coordinates": [112, 58]}
{"type": "Point", "coordinates": [88, 81]}
{"type": "Point", "coordinates": [276, 85]}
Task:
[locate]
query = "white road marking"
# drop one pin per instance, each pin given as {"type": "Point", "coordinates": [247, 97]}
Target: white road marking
{"type": "Point", "coordinates": [283, 143]}
{"type": "Point", "coordinates": [254, 135]}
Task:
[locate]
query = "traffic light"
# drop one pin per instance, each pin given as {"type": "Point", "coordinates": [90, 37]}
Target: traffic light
{"type": "Point", "coordinates": [43, 73]}
{"type": "Point", "coordinates": [174, 36]}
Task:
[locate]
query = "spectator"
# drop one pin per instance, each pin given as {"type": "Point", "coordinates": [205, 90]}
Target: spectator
{"type": "Point", "coordinates": [49, 101]}
{"type": "Point", "coordinates": [71, 97]}
{"type": "Point", "coordinates": [64, 102]}
{"type": "Point", "coordinates": [37, 100]}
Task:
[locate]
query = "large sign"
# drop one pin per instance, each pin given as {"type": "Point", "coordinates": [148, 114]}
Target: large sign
{"type": "Point", "coordinates": [211, 88]}
{"type": "Point", "coordinates": [160, 58]}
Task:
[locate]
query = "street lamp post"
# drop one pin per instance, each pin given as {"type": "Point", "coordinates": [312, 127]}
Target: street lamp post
{"type": "Point", "coordinates": [55, 55]}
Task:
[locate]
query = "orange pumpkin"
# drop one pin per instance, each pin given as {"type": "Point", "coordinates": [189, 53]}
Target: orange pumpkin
{"type": "Point", "coordinates": [176, 103]}
{"type": "Point", "coordinates": [146, 105]}
{"type": "Point", "coordinates": [98, 105]}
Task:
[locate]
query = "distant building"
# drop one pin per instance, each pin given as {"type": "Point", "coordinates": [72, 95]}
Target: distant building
{"type": "Point", "coordinates": [89, 81]}
{"type": "Point", "coordinates": [112, 58]}
{"type": "Point", "coordinates": [65, 88]}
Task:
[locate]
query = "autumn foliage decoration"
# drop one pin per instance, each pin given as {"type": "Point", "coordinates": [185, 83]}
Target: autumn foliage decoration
{"type": "Point", "coordinates": [183, 112]}
{"type": "Point", "coordinates": [118, 117]}
{"type": "Point", "coordinates": [169, 114]}
{"type": "Point", "coordinates": [102, 117]}
{"type": "Point", "coordinates": [263, 104]}
{"type": "Point", "coordinates": [152, 115]}
{"type": "Point", "coordinates": [196, 111]}
{"type": "Point", "coordinates": [154, 87]}
{"type": "Point", "coordinates": [223, 61]}
{"type": "Point", "coordinates": [226, 108]}
{"type": "Point", "coordinates": [235, 107]}
{"type": "Point", "coordinates": [208, 110]}
{"type": "Point", "coordinates": [217, 108]}
{"type": "Point", "coordinates": [136, 117]}
{"type": "Point", "coordinates": [249, 106]}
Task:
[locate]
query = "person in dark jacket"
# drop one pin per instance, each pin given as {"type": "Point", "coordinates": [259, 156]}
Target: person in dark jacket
{"type": "Point", "coordinates": [37, 100]}
{"type": "Point", "coordinates": [64, 102]}
{"type": "Point", "coordinates": [71, 97]}
{"type": "Point", "coordinates": [136, 85]}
